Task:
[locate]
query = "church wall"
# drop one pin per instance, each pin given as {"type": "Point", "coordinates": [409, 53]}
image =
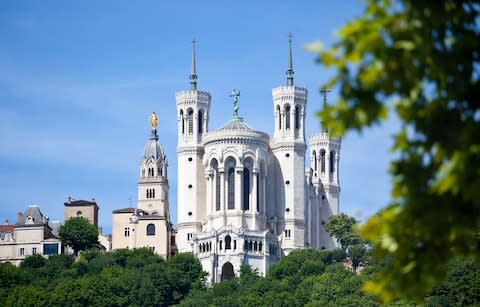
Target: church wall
{"type": "Point", "coordinates": [120, 221]}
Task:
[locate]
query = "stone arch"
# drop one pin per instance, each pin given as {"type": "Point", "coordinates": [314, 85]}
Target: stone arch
{"type": "Point", "coordinates": [297, 117]}
{"type": "Point", "coordinates": [322, 161]}
{"type": "Point", "coordinates": [216, 178]}
{"type": "Point", "coordinates": [227, 271]}
{"type": "Point", "coordinates": [247, 182]}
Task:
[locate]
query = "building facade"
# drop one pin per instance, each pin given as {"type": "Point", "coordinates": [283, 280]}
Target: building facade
{"type": "Point", "coordinates": [147, 225]}
{"type": "Point", "coordinates": [31, 235]}
{"type": "Point", "coordinates": [246, 198]}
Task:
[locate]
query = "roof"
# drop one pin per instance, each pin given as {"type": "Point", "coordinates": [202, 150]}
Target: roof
{"type": "Point", "coordinates": [153, 149]}
{"type": "Point", "coordinates": [80, 203]}
{"type": "Point", "coordinates": [236, 123]}
{"type": "Point", "coordinates": [32, 217]}
{"type": "Point", "coordinates": [124, 210]}
{"type": "Point", "coordinates": [6, 228]}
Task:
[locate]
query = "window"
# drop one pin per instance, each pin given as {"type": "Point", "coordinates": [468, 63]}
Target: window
{"type": "Point", "coordinates": [189, 236]}
{"type": "Point", "coordinates": [287, 233]}
{"type": "Point", "coordinates": [234, 244]}
{"type": "Point", "coordinates": [297, 117]}
{"type": "Point", "coordinates": [314, 160]}
{"type": "Point", "coordinates": [279, 118]}
{"type": "Point", "coordinates": [246, 189]}
{"type": "Point", "coordinates": [220, 243]}
{"type": "Point", "coordinates": [200, 121]}
{"type": "Point", "coordinates": [216, 177]}
{"type": "Point", "coordinates": [127, 232]}
{"type": "Point", "coordinates": [183, 121]}
{"type": "Point", "coordinates": [150, 230]}
{"type": "Point", "coordinates": [332, 161]}
{"type": "Point", "coordinates": [228, 241]}
{"type": "Point", "coordinates": [79, 213]}
{"type": "Point", "coordinates": [153, 193]}
{"type": "Point", "coordinates": [231, 188]}
{"type": "Point", "coordinates": [22, 251]}
{"type": "Point", "coordinates": [258, 193]}
{"type": "Point", "coordinates": [322, 161]}
{"type": "Point", "coordinates": [287, 117]}
{"type": "Point", "coordinates": [34, 250]}
{"type": "Point", "coordinates": [190, 121]}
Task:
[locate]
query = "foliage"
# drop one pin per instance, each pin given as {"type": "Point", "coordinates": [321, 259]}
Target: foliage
{"type": "Point", "coordinates": [79, 234]}
{"type": "Point", "coordinates": [420, 61]}
{"type": "Point", "coordinates": [121, 278]}
{"type": "Point", "coordinates": [33, 262]}
{"type": "Point", "coordinates": [341, 227]}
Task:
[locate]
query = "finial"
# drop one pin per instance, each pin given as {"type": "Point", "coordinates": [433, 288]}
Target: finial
{"type": "Point", "coordinates": [290, 65]}
{"type": "Point", "coordinates": [154, 120]}
{"type": "Point", "coordinates": [193, 76]}
{"type": "Point", "coordinates": [324, 91]}
{"type": "Point", "coordinates": [235, 95]}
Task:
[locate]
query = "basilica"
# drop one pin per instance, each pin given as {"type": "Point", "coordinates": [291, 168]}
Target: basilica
{"type": "Point", "coordinates": [244, 197]}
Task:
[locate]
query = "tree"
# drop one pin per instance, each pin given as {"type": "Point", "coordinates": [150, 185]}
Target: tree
{"type": "Point", "coordinates": [420, 61]}
{"type": "Point", "coordinates": [341, 227]}
{"type": "Point", "coordinates": [79, 234]}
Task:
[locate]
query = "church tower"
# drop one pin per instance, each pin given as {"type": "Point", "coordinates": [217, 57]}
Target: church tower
{"type": "Point", "coordinates": [153, 184]}
{"type": "Point", "coordinates": [324, 165]}
{"type": "Point", "coordinates": [288, 146]}
{"type": "Point", "coordinates": [193, 109]}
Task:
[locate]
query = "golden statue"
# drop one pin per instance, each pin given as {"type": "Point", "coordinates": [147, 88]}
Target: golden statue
{"type": "Point", "coordinates": [154, 120]}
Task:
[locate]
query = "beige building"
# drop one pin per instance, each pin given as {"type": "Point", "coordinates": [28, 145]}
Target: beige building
{"type": "Point", "coordinates": [148, 225]}
{"type": "Point", "coordinates": [89, 210]}
{"type": "Point", "coordinates": [31, 235]}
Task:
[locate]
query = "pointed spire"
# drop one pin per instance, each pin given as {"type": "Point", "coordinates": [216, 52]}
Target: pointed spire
{"type": "Point", "coordinates": [324, 91]}
{"type": "Point", "coordinates": [193, 76]}
{"type": "Point", "coordinates": [290, 65]}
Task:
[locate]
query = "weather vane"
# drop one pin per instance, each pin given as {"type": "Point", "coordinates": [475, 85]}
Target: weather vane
{"type": "Point", "coordinates": [235, 95]}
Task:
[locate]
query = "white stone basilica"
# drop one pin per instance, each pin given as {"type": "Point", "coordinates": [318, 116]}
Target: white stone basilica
{"type": "Point", "coordinates": [243, 197]}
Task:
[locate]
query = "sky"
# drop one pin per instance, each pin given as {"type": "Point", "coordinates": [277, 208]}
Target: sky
{"type": "Point", "coordinates": [79, 79]}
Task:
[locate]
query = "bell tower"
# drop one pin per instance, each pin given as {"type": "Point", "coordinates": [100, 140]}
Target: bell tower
{"type": "Point", "coordinates": [288, 146]}
{"type": "Point", "coordinates": [193, 107]}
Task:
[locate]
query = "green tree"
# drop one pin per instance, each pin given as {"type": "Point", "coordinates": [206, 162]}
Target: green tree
{"type": "Point", "coordinates": [420, 61]}
{"type": "Point", "coordinates": [79, 234]}
{"type": "Point", "coordinates": [33, 262]}
{"type": "Point", "coordinates": [341, 228]}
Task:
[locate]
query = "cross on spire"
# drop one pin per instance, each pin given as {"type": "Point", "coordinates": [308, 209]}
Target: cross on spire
{"type": "Point", "coordinates": [324, 91]}
{"type": "Point", "coordinates": [193, 76]}
{"type": "Point", "coordinates": [290, 65]}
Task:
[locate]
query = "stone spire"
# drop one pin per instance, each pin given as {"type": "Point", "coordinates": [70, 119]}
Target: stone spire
{"type": "Point", "coordinates": [290, 65]}
{"type": "Point", "coordinates": [193, 76]}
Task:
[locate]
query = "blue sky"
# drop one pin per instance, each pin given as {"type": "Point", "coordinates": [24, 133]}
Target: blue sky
{"type": "Point", "coordinates": [78, 81]}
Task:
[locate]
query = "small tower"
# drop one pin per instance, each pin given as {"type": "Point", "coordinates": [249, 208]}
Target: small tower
{"type": "Point", "coordinates": [153, 183]}
{"type": "Point", "coordinates": [193, 109]}
{"type": "Point", "coordinates": [324, 165]}
{"type": "Point", "coordinates": [288, 146]}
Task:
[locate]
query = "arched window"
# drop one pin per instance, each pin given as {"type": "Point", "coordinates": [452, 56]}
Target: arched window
{"type": "Point", "coordinates": [228, 241]}
{"type": "Point", "coordinates": [153, 193]}
{"type": "Point", "coordinates": [279, 117]}
{"type": "Point", "coordinates": [314, 160]}
{"type": "Point", "coordinates": [183, 121]}
{"type": "Point", "coordinates": [287, 117]}
{"type": "Point", "coordinates": [200, 121]}
{"type": "Point", "coordinates": [231, 188]}
{"type": "Point", "coordinates": [297, 117]}
{"type": "Point", "coordinates": [146, 194]}
{"type": "Point", "coordinates": [79, 213]}
{"type": "Point", "coordinates": [332, 161]}
{"type": "Point", "coordinates": [246, 189]}
{"type": "Point", "coordinates": [143, 172]}
{"type": "Point", "coordinates": [216, 175]}
{"type": "Point", "coordinates": [322, 161]}
{"type": "Point", "coordinates": [150, 230]}
{"type": "Point", "coordinates": [190, 121]}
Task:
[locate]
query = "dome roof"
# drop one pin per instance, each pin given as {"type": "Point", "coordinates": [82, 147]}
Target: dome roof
{"type": "Point", "coordinates": [153, 149]}
{"type": "Point", "coordinates": [236, 123]}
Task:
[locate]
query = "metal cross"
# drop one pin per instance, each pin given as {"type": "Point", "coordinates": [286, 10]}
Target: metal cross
{"type": "Point", "coordinates": [324, 91]}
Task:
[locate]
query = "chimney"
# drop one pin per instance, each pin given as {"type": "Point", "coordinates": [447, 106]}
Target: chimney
{"type": "Point", "coordinates": [69, 200]}
{"type": "Point", "coordinates": [20, 217]}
